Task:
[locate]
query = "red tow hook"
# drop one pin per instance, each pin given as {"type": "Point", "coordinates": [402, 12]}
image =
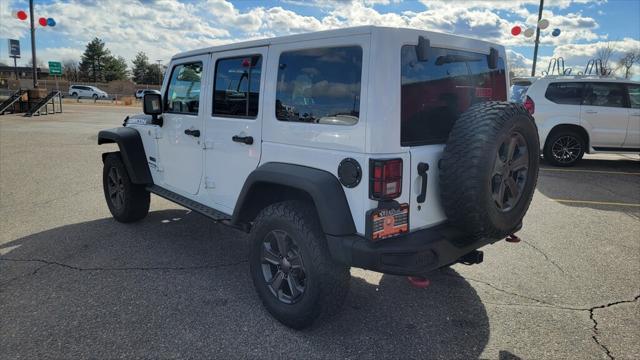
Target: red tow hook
{"type": "Point", "coordinates": [513, 238]}
{"type": "Point", "coordinates": [419, 282]}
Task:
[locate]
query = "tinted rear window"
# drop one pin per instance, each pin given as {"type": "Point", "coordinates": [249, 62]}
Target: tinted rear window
{"type": "Point", "coordinates": [567, 93]}
{"type": "Point", "coordinates": [320, 86]}
{"type": "Point", "coordinates": [435, 92]}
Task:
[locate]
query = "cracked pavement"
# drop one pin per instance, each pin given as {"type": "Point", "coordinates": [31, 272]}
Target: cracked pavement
{"type": "Point", "coordinates": [76, 284]}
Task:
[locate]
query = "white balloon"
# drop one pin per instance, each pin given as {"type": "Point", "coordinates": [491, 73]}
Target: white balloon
{"type": "Point", "coordinates": [529, 32]}
{"type": "Point", "coordinates": [543, 24]}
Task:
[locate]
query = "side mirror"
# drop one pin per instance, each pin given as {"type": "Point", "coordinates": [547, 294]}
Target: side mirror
{"type": "Point", "coordinates": [492, 59]}
{"type": "Point", "coordinates": [152, 105]}
{"type": "Point", "coordinates": [422, 50]}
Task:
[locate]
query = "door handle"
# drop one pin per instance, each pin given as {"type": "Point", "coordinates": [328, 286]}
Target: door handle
{"type": "Point", "coordinates": [422, 171]}
{"type": "Point", "coordinates": [243, 139]}
{"type": "Point", "coordinates": [194, 133]}
{"type": "Point", "coordinates": [590, 111]}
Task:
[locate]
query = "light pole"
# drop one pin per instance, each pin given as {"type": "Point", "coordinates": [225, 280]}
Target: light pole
{"type": "Point", "coordinates": [535, 49]}
{"type": "Point", "coordinates": [33, 46]}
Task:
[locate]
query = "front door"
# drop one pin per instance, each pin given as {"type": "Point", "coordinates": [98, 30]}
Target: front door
{"type": "Point", "coordinates": [233, 129]}
{"type": "Point", "coordinates": [179, 144]}
{"type": "Point", "coordinates": [604, 113]}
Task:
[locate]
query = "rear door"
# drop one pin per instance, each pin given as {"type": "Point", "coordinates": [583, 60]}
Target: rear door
{"type": "Point", "coordinates": [179, 146]}
{"type": "Point", "coordinates": [605, 115]}
{"type": "Point", "coordinates": [433, 95]}
{"type": "Point", "coordinates": [233, 127]}
{"type": "Point", "coordinates": [632, 140]}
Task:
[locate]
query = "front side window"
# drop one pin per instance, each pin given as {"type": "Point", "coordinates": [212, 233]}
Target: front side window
{"type": "Point", "coordinates": [634, 95]}
{"type": "Point", "coordinates": [437, 91]}
{"type": "Point", "coordinates": [183, 92]}
{"type": "Point", "coordinates": [604, 94]}
{"type": "Point", "coordinates": [320, 86]}
{"type": "Point", "coordinates": [237, 86]}
{"type": "Point", "coordinates": [566, 93]}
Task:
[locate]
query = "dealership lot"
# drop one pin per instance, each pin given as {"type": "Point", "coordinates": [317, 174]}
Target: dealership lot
{"type": "Point", "coordinates": [75, 283]}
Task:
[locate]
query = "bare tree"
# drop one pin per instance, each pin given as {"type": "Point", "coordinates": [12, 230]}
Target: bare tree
{"type": "Point", "coordinates": [604, 54]}
{"type": "Point", "coordinates": [627, 61]}
{"type": "Point", "coordinates": [71, 70]}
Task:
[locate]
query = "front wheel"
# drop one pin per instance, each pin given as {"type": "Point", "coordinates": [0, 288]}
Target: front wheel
{"type": "Point", "coordinates": [128, 202]}
{"type": "Point", "coordinates": [291, 267]}
{"type": "Point", "coordinates": [95, 97]}
{"type": "Point", "coordinates": [564, 148]}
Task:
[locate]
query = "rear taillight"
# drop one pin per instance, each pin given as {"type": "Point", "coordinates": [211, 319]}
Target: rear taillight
{"type": "Point", "coordinates": [385, 179]}
{"type": "Point", "coordinates": [530, 105]}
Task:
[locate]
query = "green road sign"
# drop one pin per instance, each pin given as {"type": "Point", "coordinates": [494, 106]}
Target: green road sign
{"type": "Point", "coordinates": [55, 68]}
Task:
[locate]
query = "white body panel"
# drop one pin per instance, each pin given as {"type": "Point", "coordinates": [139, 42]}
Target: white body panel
{"type": "Point", "coordinates": [607, 126]}
{"type": "Point", "coordinates": [180, 155]}
{"type": "Point", "coordinates": [228, 163]}
{"type": "Point", "coordinates": [212, 169]}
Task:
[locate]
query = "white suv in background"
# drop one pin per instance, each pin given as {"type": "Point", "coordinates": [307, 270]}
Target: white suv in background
{"type": "Point", "coordinates": [577, 115]}
{"type": "Point", "coordinates": [85, 91]}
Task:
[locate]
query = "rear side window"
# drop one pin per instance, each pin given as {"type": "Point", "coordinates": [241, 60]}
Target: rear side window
{"type": "Point", "coordinates": [435, 92]}
{"type": "Point", "coordinates": [320, 86]}
{"type": "Point", "coordinates": [605, 94]}
{"type": "Point", "coordinates": [237, 86]}
{"type": "Point", "coordinates": [566, 93]}
{"type": "Point", "coordinates": [183, 92]}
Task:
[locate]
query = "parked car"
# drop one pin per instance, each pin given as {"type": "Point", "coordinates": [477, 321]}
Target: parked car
{"type": "Point", "coordinates": [577, 115]}
{"type": "Point", "coordinates": [141, 92]}
{"type": "Point", "coordinates": [519, 87]}
{"type": "Point", "coordinates": [387, 149]}
{"type": "Point", "coordinates": [85, 91]}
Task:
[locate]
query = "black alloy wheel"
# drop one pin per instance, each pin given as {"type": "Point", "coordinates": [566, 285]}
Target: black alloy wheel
{"type": "Point", "coordinates": [566, 149]}
{"type": "Point", "coordinates": [510, 171]}
{"type": "Point", "coordinates": [115, 186]}
{"type": "Point", "coordinates": [282, 267]}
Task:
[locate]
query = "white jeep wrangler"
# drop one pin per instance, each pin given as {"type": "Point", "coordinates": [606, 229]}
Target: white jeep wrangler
{"type": "Point", "coordinates": [387, 149]}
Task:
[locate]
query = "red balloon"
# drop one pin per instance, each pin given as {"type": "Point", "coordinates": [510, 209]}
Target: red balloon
{"type": "Point", "coordinates": [21, 14]}
{"type": "Point", "coordinates": [42, 21]}
{"type": "Point", "coordinates": [516, 30]}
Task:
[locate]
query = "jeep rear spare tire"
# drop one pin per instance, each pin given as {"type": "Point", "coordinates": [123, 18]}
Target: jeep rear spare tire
{"type": "Point", "coordinates": [489, 169]}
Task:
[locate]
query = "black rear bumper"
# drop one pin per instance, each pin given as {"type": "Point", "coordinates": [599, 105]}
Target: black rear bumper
{"type": "Point", "coordinates": [415, 253]}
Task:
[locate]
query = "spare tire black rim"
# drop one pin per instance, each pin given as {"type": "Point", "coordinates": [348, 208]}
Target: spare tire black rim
{"type": "Point", "coordinates": [566, 149]}
{"type": "Point", "coordinates": [509, 175]}
{"type": "Point", "coordinates": [282, 267]}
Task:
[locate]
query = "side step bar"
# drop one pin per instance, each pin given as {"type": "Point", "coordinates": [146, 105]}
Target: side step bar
{"type": "Point", "coordinates": [188, 203]}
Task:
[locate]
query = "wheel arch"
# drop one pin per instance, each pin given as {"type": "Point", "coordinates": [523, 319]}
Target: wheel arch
{"type": "Point", "coordinates": [131, 152]}
{"type": "Point", "coordinates": [573, 127]}
{"type": "Point", "coordinates": [276, 182]}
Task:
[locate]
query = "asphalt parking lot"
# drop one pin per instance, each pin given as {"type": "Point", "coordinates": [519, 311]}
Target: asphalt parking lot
{"type": "Point", "coordinates": [74, 283]}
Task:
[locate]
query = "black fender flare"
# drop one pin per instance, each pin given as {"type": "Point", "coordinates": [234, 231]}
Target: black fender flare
{"type": "Point", "coordinates": [321, 186]}
{"type": "Point", "coordinates": [131, 151]}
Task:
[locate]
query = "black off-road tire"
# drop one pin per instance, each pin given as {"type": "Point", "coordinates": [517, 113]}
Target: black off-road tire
{"type": "Point", "coordinates": [131, 202]}
{"type": "Point", "coordinates": [574, 139]}
{"type": "Point", "coordinates": [468, 174]}
{"type": "Point", "coordinates": [326, 282]}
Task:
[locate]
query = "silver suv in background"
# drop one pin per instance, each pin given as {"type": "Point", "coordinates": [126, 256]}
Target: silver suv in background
{"type": "Point", "coordinates": [577, 115]}
{"type": "Point", "coordinates": [86, 91]}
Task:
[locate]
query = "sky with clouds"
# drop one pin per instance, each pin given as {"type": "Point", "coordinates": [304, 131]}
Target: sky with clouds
{"type": "Point", "coordinates": [163, 27]}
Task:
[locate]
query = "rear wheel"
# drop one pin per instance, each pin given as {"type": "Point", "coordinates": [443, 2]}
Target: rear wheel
{"type": "Point", "coordinates": [127, 201]}
{"type": "Point", "coordinates": [564, 148]}
{"type": "Point", "coordinates": [291, 268]}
